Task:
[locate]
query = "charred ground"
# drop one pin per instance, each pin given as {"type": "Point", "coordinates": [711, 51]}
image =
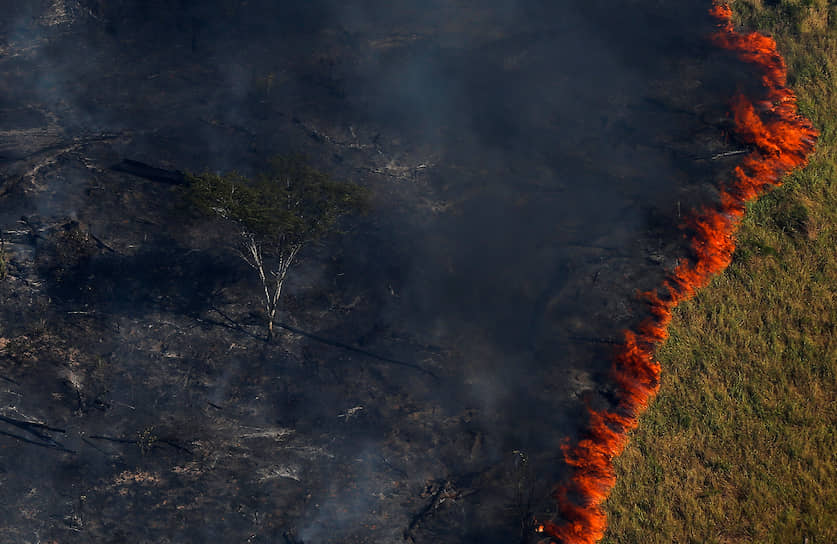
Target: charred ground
{"type": "Point", "coordinates": [527, 166]}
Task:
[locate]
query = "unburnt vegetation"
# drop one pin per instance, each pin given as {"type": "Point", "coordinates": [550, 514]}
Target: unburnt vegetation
{"type": "Point", "coordinates": [739, 446]}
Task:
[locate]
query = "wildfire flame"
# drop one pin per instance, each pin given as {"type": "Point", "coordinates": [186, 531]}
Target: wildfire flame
{"type": "Point", "coordinates": [780, 141]}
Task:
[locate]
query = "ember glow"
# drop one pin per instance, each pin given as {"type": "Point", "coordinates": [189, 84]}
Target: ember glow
{"type": "Point", "coordinates": [780, 140]}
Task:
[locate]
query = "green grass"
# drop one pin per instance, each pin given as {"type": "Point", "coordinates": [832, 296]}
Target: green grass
{"type": "Point", "coordinates": [741, 443]}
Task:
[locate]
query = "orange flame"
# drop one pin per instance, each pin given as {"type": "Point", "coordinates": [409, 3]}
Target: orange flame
{"type": "Point", "coordinates": [780, 141]}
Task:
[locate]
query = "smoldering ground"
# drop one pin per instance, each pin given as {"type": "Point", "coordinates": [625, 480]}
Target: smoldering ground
{"type": "Point", "coordinates": [528, 162]}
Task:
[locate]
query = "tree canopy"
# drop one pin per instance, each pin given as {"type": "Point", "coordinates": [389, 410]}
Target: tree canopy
{"type": "Point", "coordinates": [289, 204]}
{"type": "Point", "coordinates": [276, 214]}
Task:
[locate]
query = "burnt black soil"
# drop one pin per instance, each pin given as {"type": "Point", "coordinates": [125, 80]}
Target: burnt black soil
{"type": "Point", "coordinates": [529, 164]}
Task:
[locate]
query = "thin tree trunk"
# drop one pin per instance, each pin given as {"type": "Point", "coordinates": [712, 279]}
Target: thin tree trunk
{"type": "Point", "coordinates": [272, 301]}
{"type": "Point", "coordinates": [253, 256]}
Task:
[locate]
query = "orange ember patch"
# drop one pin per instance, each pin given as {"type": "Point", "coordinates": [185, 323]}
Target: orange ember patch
{"type": "Point", "coordinates": [780, 141]}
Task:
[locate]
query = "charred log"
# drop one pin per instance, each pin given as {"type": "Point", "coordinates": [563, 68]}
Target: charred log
{"type": "Point", "coordinates": [142, 170]}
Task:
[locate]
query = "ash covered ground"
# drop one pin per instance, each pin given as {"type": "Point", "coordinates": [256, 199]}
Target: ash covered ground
{"type": "Point", "coordinates": [529, 163]}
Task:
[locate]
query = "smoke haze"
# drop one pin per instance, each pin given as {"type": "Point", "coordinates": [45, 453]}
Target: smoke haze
{"type": "Point", "coordinates": [528, 162]}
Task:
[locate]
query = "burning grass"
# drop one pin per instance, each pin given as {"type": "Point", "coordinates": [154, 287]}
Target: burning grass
{"type": "Point", "coordinates": [780, 141]}
{"type": "Point", "coordinates": [739, 446]}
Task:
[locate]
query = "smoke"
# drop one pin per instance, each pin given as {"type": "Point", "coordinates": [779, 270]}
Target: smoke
{"type": "Point", "coordinates": [342, 510]}
{"type": "Point", "coordinates": [781, 141]}
{"type": "Point", "coordinates": [528, 161]}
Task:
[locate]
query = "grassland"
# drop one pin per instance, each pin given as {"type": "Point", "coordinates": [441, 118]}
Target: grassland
{"type": "Point", "coordinates": [741, 443]}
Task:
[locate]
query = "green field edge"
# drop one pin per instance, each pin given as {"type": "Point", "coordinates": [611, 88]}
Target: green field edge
{"type": "Point", "coordinates": [740, 445]}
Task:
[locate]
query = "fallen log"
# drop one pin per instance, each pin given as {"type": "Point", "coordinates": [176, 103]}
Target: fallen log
{"type": "Point", "coordinates": [142, 170]}
{"type": "Point", "coordinates": [35, 429]}
{"type": "Point", "coordinates": [725, 154]}
{"type": "Point", "coordinates": [52, 444]}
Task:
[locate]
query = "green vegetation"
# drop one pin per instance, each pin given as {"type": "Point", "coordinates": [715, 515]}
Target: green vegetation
{"type": "Point", "coordinates": [276, 215]}
{"type": "Point", "coordinates": [741, 443]}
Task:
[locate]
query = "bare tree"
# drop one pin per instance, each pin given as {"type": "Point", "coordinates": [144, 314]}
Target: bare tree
{"type": "Point", "coordinates": [252, 255]}
{"type": "Point", "coordinates": [276, 215]}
